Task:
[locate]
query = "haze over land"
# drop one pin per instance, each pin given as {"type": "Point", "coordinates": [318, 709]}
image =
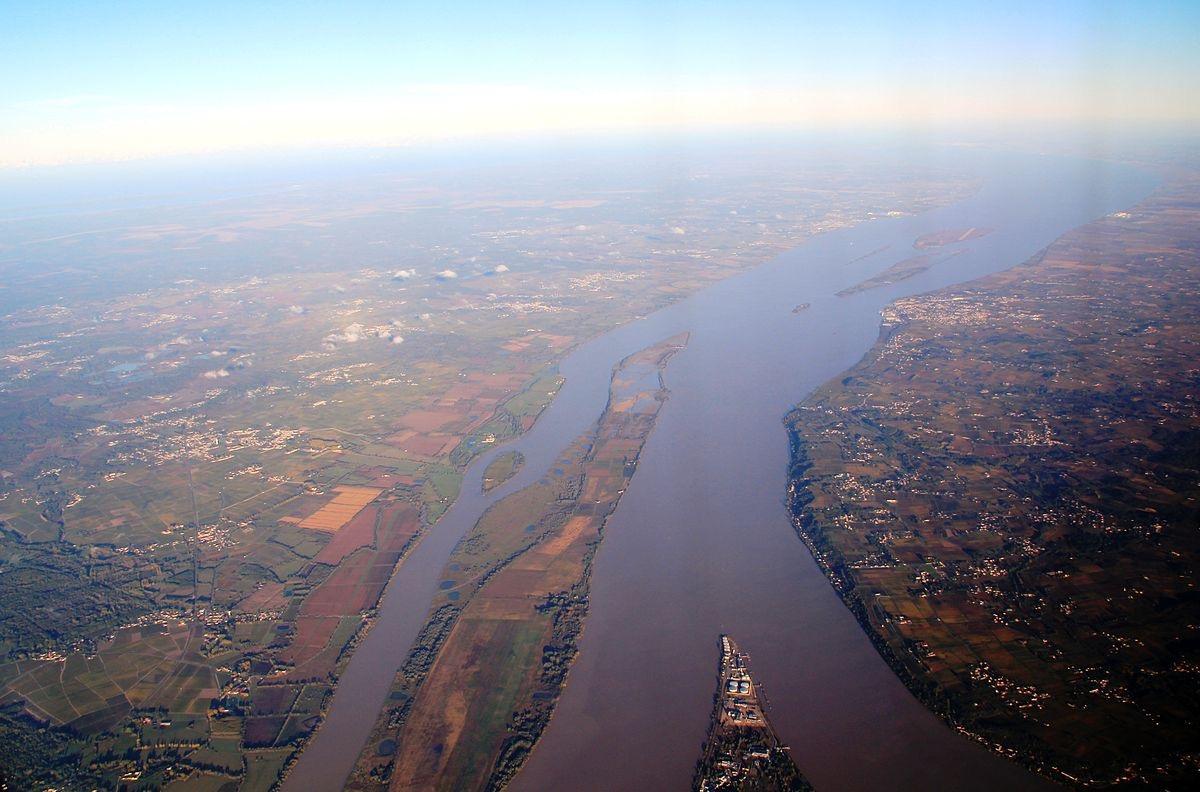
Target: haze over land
{"type": "Point", "coordinates": [369, 372]}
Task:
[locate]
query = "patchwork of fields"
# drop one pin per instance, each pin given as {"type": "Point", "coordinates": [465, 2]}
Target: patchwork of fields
{"type": "Point", "coordinates": [1005, 492]}
{"type": "Point", "coordinates": [230, 417]}
{"type": "Point", "coordinates": [482, 682]}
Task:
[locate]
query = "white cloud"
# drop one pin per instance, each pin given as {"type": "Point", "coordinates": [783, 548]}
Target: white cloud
{"type": "Point", "coordinates": [350, 334]}
{"type": "Point", "coordinates": [404, 274]}
{"type": "Point", "coordinates": [678, 230]}
{"type": "Point", "coordinates": [296, 309]}
{"type": "Point", "coordinates": [216, 373]}
{"type": "Point", "coordinates": [447, 274]}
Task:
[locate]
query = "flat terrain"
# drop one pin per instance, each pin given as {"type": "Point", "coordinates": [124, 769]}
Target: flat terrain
{"type": "Point", "coordinates": [915, 265]}
{"type": "Point", "coordinates": [949, 236]}
{"type": "Point", "coordinates": [901, 270]}
{"type": "Point", "coordinates": [742, 750]}
{"type": "Point", "coordinates": [230, 414]}
{"type": "Point", "coordinates": [480, 686]}
{"type": "Point", "coordinates": [1004, 491]}
{"type": "Point", "coordinates": [501, 469]}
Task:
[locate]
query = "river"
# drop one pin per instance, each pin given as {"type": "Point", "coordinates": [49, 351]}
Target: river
{"type": "Point", "coordinates": [701, 542]}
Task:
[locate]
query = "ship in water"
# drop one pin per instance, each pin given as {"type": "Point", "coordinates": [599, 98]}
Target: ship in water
{"type": "Point", "coordinates": [742, 751]}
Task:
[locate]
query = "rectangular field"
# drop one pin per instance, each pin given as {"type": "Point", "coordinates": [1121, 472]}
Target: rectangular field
{"type": "Point", "coordinates": [348, 502]}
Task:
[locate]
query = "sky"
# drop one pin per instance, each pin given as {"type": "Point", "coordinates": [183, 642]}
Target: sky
{"type": "Point", "coordinates": [87, 81]}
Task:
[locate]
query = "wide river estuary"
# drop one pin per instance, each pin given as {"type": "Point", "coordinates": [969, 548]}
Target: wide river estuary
{"type": "Point", "coordinates": [701, 543]}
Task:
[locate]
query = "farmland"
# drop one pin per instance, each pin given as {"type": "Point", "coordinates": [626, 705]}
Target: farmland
{"type": "Point", "coordinates": [482, 681]}
{"type": "Point", "coordinates": [1004, 493]}
{"type": "Point", "coordinates": [232, 416]}
{"type": "Point", "coordinates": [501, 469]}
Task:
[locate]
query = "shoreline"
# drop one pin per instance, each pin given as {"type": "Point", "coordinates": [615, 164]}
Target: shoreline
{"type": "Point", "coordinates": [556, 400]}
{"type": "Point", "coordinates": [928, 692]}
{"type": "Point", "coordinates": [533, 709]}
{"type": "Point", "coordinates": [931, 696]}
{"type": "Point", "coordinates": [758, 259]}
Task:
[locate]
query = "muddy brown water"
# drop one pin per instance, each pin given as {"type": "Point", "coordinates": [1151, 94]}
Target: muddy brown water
{"type": "Point", "coordinates": [701, 543]}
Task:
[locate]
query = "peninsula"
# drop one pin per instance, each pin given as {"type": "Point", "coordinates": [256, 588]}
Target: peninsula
{"type": "Point", "coordinates": [742, 751]}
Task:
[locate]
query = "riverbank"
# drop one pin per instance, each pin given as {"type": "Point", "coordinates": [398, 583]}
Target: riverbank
{"type": "Point", "coordinates": [742, 750]}
{"type": "Point", "coordinates": [702, 541]}
{"type": "Point", "coordinates": [997, 486]}
{"type": "Point", "coordinates": [478, 690]}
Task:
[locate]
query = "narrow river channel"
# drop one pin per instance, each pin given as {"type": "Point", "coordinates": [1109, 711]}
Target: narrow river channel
{"type": "Point", "coordinates": [701, 543]}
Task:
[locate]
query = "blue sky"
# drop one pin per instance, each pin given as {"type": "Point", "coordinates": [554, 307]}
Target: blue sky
{"type": "Point", "coordinates": [83, 80]}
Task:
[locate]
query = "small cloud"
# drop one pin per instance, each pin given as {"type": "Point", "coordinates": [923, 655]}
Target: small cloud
{"type": "Point", "coordinates": [678, 230]}
{"type": "Point", "coordinates": [297, 309]}
{"type": "Point", "coordinates": [447, 274]}
{"type": "Point", "coordinates": [337, 287]}
{"type": "Point", "coordinates": [216, 373]}
{"type": "Point", "coordinates": [350, 334]}
{"type": "Point", "coordinates": [498, 269]}
{"type": "Point", "coordinates": [403, 274]}
{"type": "Point", "coordinates": [581, 228]}
{"type": "Point", "coordinates": [397, 339]}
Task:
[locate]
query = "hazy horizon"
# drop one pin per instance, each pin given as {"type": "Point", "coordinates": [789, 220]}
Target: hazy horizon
{"type": "Point", "coordinates": [537, 395]}
{"type": "Point", "coordinates": [85, 83]}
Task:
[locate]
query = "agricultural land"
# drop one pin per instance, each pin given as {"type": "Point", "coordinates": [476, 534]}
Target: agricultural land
{"type": "Point", "coordinates": [501, 469]}
{"type": "Point", "coordinates": [481, 683]}
{"type": "Point", "coordinates": [1004, 491]}
{"type": "Point", "coordinates": [227, 413]}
